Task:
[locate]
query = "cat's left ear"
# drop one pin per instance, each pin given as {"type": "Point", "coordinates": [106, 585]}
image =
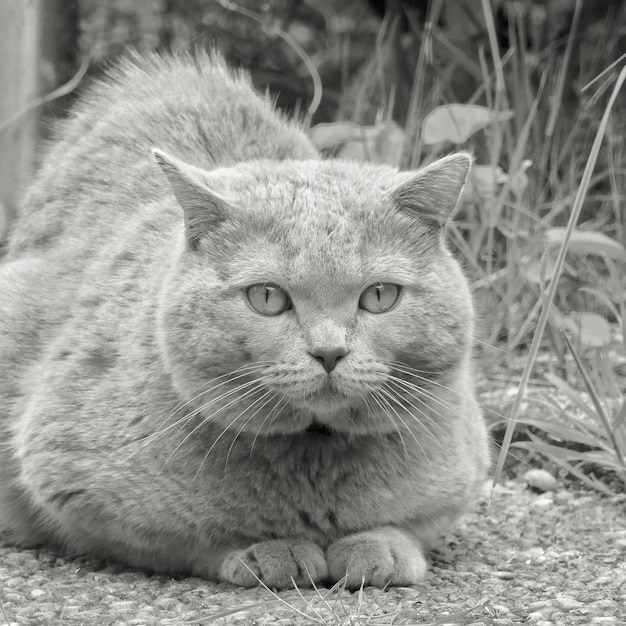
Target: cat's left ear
{"type": "Point", "coordinates": [203, 207]}
{"type": "Point", "coordinates": [432, 193]}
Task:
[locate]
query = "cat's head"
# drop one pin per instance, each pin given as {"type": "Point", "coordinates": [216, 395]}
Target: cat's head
{"type": "Point", "coordinates": [314, 293]}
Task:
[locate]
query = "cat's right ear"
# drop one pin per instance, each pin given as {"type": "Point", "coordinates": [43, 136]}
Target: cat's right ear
{"type": "Point", "coordinates": [433, 193]}
{"type": "Point", "coordinates": [202, 207]}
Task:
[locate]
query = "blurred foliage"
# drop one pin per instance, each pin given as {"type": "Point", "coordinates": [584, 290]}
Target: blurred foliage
{"type": "Point", "coordinates": [323, 32]}
{"type": "Point", "coordinates": [367, 65]}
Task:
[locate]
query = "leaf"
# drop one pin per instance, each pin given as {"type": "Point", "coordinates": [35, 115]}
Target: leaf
{"type": "Point", "coordinates": [561, 457]}
{"type": "Point", "coordinates": [519, 180]}
{"type": "Point", "coordinates": [573, 395]}
{"type": "Point", "coordinates": [565, 434]}
{"type": "Point", "coordinates": [620, 417]}
{"type": "Point", "coordinates": [590, 329]}
{"type": "Point", "coordinates": [383, 143]}
{"type": "Point", "coordinates": [557, 453]}
{"type": "Point", "coordinates": [326, 136]}
{"type": "Point", "coordinates": [603, 298]}
{"type": "Point", "coordinates": [483, 181]}
{"type": "Point", "coordinates": [458, 122]}
{"type": "Point", "coordinates": [454, 617]}
{"type": "Point", "coordinates": [539, 271]}
{"type": "Point", "coordinates": [238, 609]}
{"type": "Point", "coordinates": [586, 242]}
{"type": "Point", "coordinates": [591, 427]}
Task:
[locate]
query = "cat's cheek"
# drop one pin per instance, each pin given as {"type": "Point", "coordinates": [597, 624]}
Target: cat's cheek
{"type": "Point", "coordinates": [273, 339]}
{"type": "Point", "coordinates": [424, 337]}
{"type": "Point", "coordinates": [381, 337]}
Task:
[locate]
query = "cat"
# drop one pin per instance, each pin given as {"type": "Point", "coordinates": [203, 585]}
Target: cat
{"type": "Point", "coordinates": [225, 356]}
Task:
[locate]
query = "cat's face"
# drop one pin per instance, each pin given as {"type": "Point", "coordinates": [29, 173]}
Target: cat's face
{"type": "Point", "coordinates": [313, 295]}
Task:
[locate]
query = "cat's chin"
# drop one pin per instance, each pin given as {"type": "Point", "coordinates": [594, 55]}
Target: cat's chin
{"type": "Point", "coordinates": [317, 428]}
{"type": "Point", "coordinates": [330, 421]}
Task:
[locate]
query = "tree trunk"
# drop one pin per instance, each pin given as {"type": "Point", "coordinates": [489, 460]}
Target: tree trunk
{"type": "Point", "coordinates": [19, 77]}
{"type": "Point", "coordinates": [38, 45]}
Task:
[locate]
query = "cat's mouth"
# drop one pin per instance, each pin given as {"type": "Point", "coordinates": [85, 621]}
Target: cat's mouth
{"type": "Point", "coordinates": [319, 428]}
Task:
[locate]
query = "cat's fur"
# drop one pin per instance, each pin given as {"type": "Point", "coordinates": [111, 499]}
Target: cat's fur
{"type": "Point", "coordinates": [149, 414]}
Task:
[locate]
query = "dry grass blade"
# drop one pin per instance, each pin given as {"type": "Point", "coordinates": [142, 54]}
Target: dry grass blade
{"type": "Point", "coordinates": [620, 417]}
{"type": "Point", "coordinates": [578, 435]}
{"type": "Point", "coordinates": [563, 457]}
{"type": "Point", "coordinates": [555, 109]}
{"type": "Point", "coordinates": [447, 619]}
{"type": "Point", "coordinates": [572, 395]}
{"type": "Point", "coordinates": [59, 92]}
{"type": "Point", "coordinates": [558, 269]}
{"type": "Point", "coordinates": [282, 600]}
{"type": "Point", "coordinates": [243, 607]}
{"type": "Point", "coordinates": [295, 46]}
{"type": "Point", "coordinates": [598, 405]}
{"type": "Point", "coordinates": [4, 613]}
{"type": "Point", "coordinates": [227, 612]}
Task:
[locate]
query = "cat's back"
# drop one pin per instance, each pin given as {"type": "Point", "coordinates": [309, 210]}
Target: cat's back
{"type": "Point", "coordinates": [100, 171]}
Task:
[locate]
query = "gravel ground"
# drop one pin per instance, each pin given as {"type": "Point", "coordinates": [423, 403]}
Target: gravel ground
{"type": "Point", "coordinates": [552, 558]}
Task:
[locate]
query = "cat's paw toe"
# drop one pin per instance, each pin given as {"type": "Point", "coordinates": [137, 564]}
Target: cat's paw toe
{"type": "Point", "coordinates": [275, 563]}
{"type": "Point", "coordinates": [377, 557]}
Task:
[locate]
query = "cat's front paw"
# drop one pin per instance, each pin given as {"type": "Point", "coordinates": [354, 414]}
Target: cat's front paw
{"type": "Point", "coordinates": [377, 557]}
{"type": "Point", "coordinates": [275, 563]}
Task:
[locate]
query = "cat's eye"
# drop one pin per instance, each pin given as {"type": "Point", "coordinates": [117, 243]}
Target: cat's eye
{"type": "Point", "coordinates": [379, 298]}
{"type": "Point", "coordinates": [268, 299]}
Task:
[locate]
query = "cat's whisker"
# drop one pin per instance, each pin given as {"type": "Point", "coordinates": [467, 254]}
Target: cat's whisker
{"type": "Point", "coordinates": [384, 406]}
{"type": "Point", "coordinates": [413, 370]}
{"type": "Point", "coordinates": [160, 430]}
{"type": "Point", "coordinates": [389, 393]}
{"type": "Point", "coordinates": [189, 416]}
{"type": "Point", "coordinates": [204, 421]}
{"type": "Point", "coordinates": [271, 415]}
{"type": "Point", "coordinates": [212, 389]}
{"type": "Point", "coordinates": [258, 381]}
{"type": "Point", "coordinates": [403, 368]}
{"type": "Point", "coordinates": [419, 394]}
{"type": "Point", "coordinates": [425, 423]}
{"type": "Point", "coordinates": [365, 397]}
{"type": "Point", "coordinates": [271, 395]}
{"type": "Point", "coordinates": [435, 404]}
{"type": "Point", "coordinates": [209, 386]}
{"type": "Point", "coordinates": [417, 375]}
{"type": "Point", "coordinates": [475, 339]}
{"type": "Point", "coordinates": [383, 396]}
{"type": "Point", "coordinates": [275, 417]}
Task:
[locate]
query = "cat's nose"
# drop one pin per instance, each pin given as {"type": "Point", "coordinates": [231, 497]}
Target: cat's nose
{"type": "Point", "coordinates": [329, 357]}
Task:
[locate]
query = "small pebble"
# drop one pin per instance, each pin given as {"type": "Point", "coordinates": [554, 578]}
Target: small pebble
{"type": "Point", "coordinates": [540, 604]}
{"type": "Point", "coordinates": [540, 479]}
{"type": "Point", "coordinates": [407, 592]}
{"type": "Point", "coordinates": [567, 603]}
{"type": "Point", "coordinates": [165, 602]}
{"type": "Point", "coordinates": [564, 496]}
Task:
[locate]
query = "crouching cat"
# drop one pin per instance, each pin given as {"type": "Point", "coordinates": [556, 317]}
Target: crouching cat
{"type": "Point", "coordinates": [225, 356]}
